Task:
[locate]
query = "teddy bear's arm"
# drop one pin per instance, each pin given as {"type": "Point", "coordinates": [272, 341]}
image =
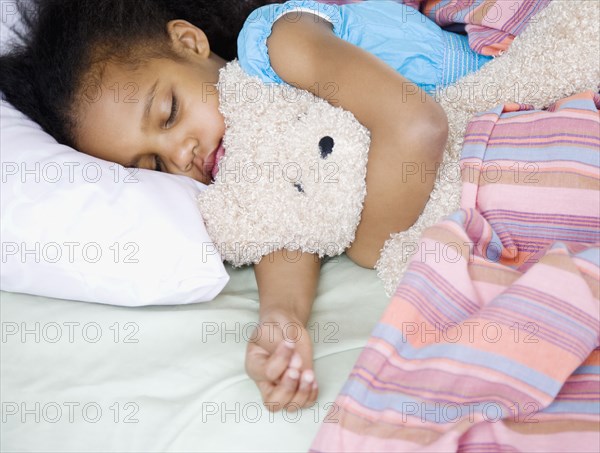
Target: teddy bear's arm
{"type": "Point", "coordinates": [408, 128]}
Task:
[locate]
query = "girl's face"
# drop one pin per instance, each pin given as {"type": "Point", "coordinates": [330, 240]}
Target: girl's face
{"type": "Point", "coordinates": [161, 116]}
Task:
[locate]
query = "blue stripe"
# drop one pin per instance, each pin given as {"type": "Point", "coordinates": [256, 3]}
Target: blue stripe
{"type": "Point", "coordinates": [561, 151]}
{"type": "Point", "coordinates": [591, 255]}
{"type": "Point", "coordinates": [459, 58]}
{"type": "Point", "coordinates": [587, 369]}
{"type": "Point", "coordinates": [425, 287]}
{"type": "Point", "coordinates": [580, 104]}
{"type": "Point", "coordinates": [570, 407]}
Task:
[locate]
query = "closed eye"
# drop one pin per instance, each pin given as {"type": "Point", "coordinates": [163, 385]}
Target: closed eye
{"type": "Point", "coordinates": [174, 110]}
{"type": "Point", "coordinates": [158, 164]}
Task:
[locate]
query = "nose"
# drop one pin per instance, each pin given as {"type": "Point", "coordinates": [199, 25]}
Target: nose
{"type": "Point", "coordinates": [183, 153]}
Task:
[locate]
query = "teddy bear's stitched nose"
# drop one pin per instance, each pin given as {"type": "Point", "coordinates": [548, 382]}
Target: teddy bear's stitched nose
{"type": "Point", "coordinates": [326, 146]}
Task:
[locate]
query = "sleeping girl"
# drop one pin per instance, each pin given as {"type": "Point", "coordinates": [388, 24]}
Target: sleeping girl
{"type": "Point", "coordinates": [383, 58]}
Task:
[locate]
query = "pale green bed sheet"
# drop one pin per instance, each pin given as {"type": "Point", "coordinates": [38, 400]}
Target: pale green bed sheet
{"type": "Point", "coordinates": [88, 378]}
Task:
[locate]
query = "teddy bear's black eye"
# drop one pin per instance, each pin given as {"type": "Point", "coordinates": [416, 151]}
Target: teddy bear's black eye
{"type": "Point", "coordinates": [326, 146]}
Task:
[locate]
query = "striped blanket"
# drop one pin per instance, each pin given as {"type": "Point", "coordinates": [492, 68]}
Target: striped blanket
{"type": "Point", "coordinates": [490, 342]}
{"type": "Point", "coordinates": [491, 25]}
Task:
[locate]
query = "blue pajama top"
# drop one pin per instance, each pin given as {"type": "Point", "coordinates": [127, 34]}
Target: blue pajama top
{"type": "Point", "coordinates": [411, 43]}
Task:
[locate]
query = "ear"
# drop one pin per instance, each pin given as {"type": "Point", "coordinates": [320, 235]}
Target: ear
{"type": "Point", "coordinates": [187, 37]}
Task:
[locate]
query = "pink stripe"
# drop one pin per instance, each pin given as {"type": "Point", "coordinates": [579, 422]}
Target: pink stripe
{"type": "Point", "coordinates": [580, 115]}
{"type": "Point", "coordinates": [545, 200]}
{"type": "Point", "coordinates": [494, 217]}
{"type": "Point", "coordinates": [528, 170]}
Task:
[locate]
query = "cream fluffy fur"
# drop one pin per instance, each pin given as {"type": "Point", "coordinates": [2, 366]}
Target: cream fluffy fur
{"type": "Point", "coordinates": [556, 56]}
{"type": "Point", "coordinates": [293, 174]}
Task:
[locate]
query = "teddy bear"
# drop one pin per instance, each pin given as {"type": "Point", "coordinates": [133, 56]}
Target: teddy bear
{"type": "Point", "coordinates": [293, 172]}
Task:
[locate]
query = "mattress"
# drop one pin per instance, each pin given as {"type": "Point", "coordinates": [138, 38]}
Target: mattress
{"type": "Point", "coordinates": [88, 378]}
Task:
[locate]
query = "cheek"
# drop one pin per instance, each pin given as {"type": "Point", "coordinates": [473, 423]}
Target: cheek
{"type": "Point", "coordinates": [210, 119]}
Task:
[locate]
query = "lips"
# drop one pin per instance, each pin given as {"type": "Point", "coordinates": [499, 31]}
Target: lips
{"type": "Point", "coordinates": [217, 157]}
{"type": "Point", "coordinates": [208, 165]}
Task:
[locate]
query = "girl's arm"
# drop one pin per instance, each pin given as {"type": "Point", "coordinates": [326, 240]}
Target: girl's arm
{"type": "Point", "coordinates": [408, 128]}
{"type": "Point", "coordinates": [279, 357]}
{"type": "Point", "coordinates": [287, 283]}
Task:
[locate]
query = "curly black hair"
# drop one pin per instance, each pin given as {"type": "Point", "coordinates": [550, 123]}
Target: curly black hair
{"type": "Point", "coordinates": [62, 40]}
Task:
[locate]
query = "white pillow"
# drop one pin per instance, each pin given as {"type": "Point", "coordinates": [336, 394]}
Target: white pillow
{"type": "Point", "coordinates": [76, 227]}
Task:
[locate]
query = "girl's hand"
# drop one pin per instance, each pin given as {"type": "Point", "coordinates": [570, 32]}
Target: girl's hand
{"type": "Point", "coordinates": [282, 365]}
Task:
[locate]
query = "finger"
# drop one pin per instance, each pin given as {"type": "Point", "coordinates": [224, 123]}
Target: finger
{"type": "Point", "coordinates": [259, 360]}
{"type": "Point", "coordinates": [256, 359]}
{"type": "Point", "coordinates": [302, 396]}
{"type": "Point", "coordinates": [283, 393]}
{"type": "Point", "coordinates": [314, 393]}
{"type": "Point", "coordinates": [283, 358]}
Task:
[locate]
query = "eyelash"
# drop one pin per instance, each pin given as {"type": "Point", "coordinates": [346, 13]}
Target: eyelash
{"type": "Point", "coordinates": [174, 110]}
{"type": "Point", "coordinates": [158, 164]}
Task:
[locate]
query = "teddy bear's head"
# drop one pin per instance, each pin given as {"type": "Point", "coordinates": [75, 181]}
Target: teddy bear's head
{"type": "Point", "coordinates": [293, 172]}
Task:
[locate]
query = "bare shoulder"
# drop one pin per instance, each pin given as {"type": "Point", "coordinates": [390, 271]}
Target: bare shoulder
{"type": "Point", "coordinates": [294, 43]}
{"type": "Point", "coordinates": [301, 22]}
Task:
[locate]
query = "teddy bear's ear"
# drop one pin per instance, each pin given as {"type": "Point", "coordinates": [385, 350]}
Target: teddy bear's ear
{"type": "Point", "coordinates": [326, 146]}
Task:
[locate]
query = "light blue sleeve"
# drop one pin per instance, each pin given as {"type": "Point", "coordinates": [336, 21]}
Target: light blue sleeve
{"type": "Point", "coordinates": [252, 40]}
{"type": "Point", "coordinates": [401, 36]}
